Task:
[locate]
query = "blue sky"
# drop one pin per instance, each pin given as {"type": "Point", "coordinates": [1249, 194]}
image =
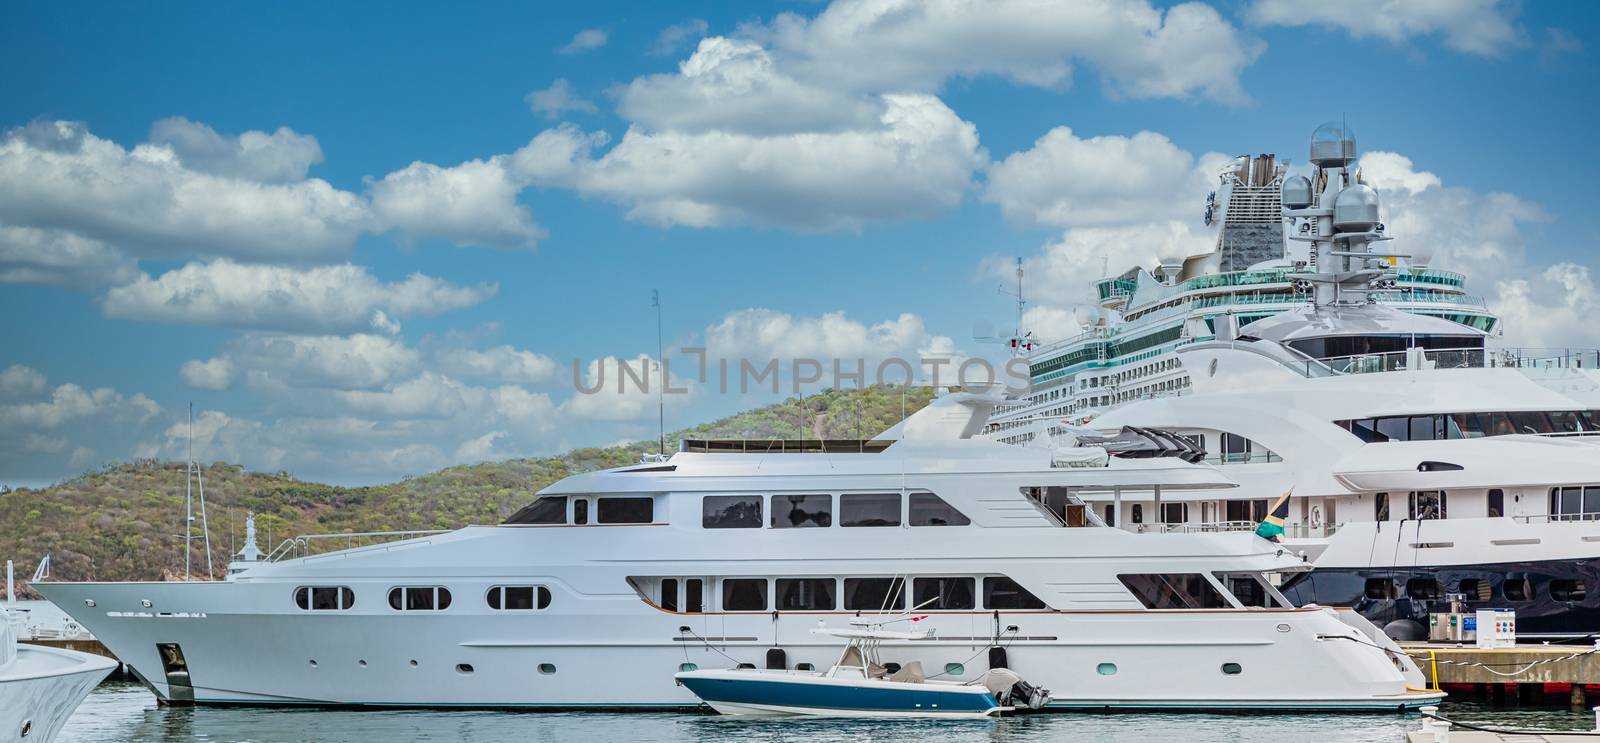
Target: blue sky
{"type": "Point", "coordinates": [368, 241]}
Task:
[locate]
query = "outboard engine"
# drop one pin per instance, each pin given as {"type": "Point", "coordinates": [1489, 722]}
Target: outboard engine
{"type": "Point", "coordinates": [1011, 691]}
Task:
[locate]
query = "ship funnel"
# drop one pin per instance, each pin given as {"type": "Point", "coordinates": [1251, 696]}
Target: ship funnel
{"type": "Point", "coordinates": [1333, 146]}
{"type": "Point", "coordinates": [1356, 209]}
{"type": "Point", "coordinates": [1296, 192]}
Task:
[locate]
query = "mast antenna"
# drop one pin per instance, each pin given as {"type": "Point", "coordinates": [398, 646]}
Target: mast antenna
{"type": "Point", "coordinates": [661, 390]}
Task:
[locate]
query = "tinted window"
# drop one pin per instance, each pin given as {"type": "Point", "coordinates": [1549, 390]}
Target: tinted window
{"type": "Point", "coordinates": [1367, 430]}
{"type": "Point", "coordinates": [1394, 429]}
{"type": "Point", "coordinates": [1247, 589]}
{"type": "Point", "coordinates": [1380, 504]}
{"type": "Point", "coordinates": [626, 510]}
{"type": "Point", "coordinates": [875, 509]}
{"type": "Point", "coordinates": [928, 509]}
{"type": "Point", "coordinates": [1517, 589]}
{"type": "Point", "coordinates": [801, 511]}
{"type": "Point", "coordinates": [1475, 589]}
{"type": "Point", "coordinates": [518, 598]}
{"type": "Point", "coordinates": [1567, 422]}
{"type": "Point", "coordinates": [1428, 504]}
{"type": "Point", "coordinates": [419, 598]}
{"type": "Point", "coordinates": [806, 594]}
{"type": "Point", "coordinates": [1423, 588]}
{"type": "Point", "coordinates": [693, 596]}
{"type": "Point", "coordinates": [1469, 424]}
{"type": "Point", "coordinates": [874, 594]}
{"type": "Point", "coordinates": [731, 512]}
{"type": "Point", "coordinates": [744, 594]}
{"type": "Point", "coordinates": [1497, 503]}
{"type": "Point", "coordinates": [943, 593]}
{"type": "Point", "coordinates": [1174, 591]}
{"type": "Point", "coordinates": [1565, 589]}
{"type": "Point", "coordinates": [669, 594]}
{"type": "Point", "coordinates": [324, 598]}
{"type": "Point", "coordinates": [1005, 593]}
{"type": "Point", "coordinates": [1427, 427]}
{"type": "Point", "coordinates": [1378, 589]}
{"type": "Point", "coordinates": [547, 510]}
{"type": "Point", "coordinates": [1532, 422]}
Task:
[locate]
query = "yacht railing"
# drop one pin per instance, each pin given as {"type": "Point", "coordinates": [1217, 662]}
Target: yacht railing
{"type": "Point", "coordinates": [1292, 531]}
{"type": "Point", "coordinates": [1469, 358]}
{"type": "Point", "coordinates": [1557, 517]}
{"type": "Point", "coordinates": [306, 545]}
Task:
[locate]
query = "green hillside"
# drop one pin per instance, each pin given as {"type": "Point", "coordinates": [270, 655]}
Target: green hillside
{"type": "Point", "coordinates": [121, 522]}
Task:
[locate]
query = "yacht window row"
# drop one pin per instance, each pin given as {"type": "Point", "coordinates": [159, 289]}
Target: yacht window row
{"type": "Point", "coordinates": [1439, 426]}
{"type": "Point", "coordinates": [928, 593]}
{"type": "Point", "coordinates": [583, 510]}
{"type": "Point", "coordinates": [423, 598]}
{"type": "Point", "coordinates": [807, 510]}
{"type": "Point", "coordinates": [1513, 588]}
{"type": "Point", "coordinates": [1575, 503]}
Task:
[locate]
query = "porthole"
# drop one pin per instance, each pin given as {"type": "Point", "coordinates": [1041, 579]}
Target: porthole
{"type": "Point", "coordinates": [413, 664]}
{"type": "Point", "coordinates": [313, 662]}
{"type": "Point", "coordinates": [361, 663]}
{"type": "Point", "coordinates": [954, 669]}
{"type": "Point", "coordinates": [687, 667]}
{"type": "Point", "coordinates": [89, 603]}
{"type": "Point", "coordinates": [547, 668]}
{"type": "Point", "coordinates": [27, 727]}
{"type": "Point", "coordinates": [742, 666]}
{"type": "Point", "coordinates": [463, 668]}
{"type": "Point", "coordinates": [1231, 669]}
{"type": "Point", "coordinates": [1283, 628]}
{"type": "Point", "coordinates": [1107, 669]}
{"type": "Point", "coordinates": [804, 667]}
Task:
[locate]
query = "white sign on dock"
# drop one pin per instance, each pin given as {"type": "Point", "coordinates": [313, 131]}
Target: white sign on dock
{"type": "Point", "coordinates": [1497, 628]}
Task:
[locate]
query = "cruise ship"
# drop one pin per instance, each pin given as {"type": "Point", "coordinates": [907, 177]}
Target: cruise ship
{"type": "Point", "coordinates": [1429, 468]}
{"type": "Point", "coordinates": [727, 555]}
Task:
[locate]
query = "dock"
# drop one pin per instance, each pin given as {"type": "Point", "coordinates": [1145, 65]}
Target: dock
{"type": "Point", "coordinates": [1527, 673]}
{"type": "Point", "coordinates": [1436, 729]}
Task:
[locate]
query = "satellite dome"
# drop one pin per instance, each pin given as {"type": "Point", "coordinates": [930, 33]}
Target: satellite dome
{"type": "Point", "coordinates": [1421, 255]}
{"type": "Point", "coordinates": [1297, 192]}
{"type": "Point", "coordinates": [1333, 146]}
{"type": "Point", "coordinates": [1356, 209]}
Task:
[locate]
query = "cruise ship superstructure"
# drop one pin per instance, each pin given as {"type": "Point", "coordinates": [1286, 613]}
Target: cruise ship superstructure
{"type": "Point", "coordinates": [728, 554]}
{"type": "Point", "coordinates": [1426, 465]}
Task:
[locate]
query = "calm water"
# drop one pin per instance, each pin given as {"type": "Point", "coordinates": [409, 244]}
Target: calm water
{"type": "Point", "coordinates": [125, 712]}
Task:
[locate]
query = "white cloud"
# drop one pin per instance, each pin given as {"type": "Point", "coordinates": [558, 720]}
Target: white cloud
{"type": "Point", "coordinates": [918, 160]}
{"type": "Point", "coordinates": [474, 203]}
{"type": "Point", "coordinates": [1067, 267]}
{"type": "Point", "coordinates": [60, 258]}
{"type": "Point", "coordinates": [735, 85]}
{"type": "Point", "coordinates": [500, 364]}
{"type": "Point", "coordinates": [44, 444]}
{"type": "Point", "coordinates": [340, 298]}
{"type": "Point", "coordinates": [211, 374]}
{"type": "Point", "coordinates": [557, 99]}
{"type": "Point", "coordinates": [1140, 51]}
{"type": "Point", "coordinates": [1071, 181]}
{"type": "Point", "coordinates": [759, 334]}
{"type": "Point", "coordinates": [1050, 323]}
{"type": "Point", "coordinates": [297, 362]}
{"type": "Point", "coordinates": [672, 37]}
{"type": "Point", "coordinates": [18, 381]}
{"type": "Point", "coordinates": [623, 390]}
{"type": "Point", "coordinates": [148, 202]}
{"type": "Point", "coordinates": [280, 157]}
{"type": "Point", "coordinates": [586, 40]}
{"type": "Point", "coordinates": [70, 402]}
{"type": "Point", "coordinates": [479, 449]}
{"type": "Point", "coordinates": [1483, 27]}
{"type": "Point", "coordinates": [1553, 309]}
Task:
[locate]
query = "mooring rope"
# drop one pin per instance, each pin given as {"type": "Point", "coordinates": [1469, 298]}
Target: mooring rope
{"type": "Point", "coordinates": [1498, 731]}
{"type": "Point", "coordinates": [1490, 667]}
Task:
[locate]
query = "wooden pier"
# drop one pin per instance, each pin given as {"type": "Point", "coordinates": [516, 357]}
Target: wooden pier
{"type": "Point", "coordinates": [1528, 673]}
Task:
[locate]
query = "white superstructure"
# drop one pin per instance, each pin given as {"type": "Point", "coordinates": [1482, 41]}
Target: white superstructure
{"type": "Point", "coordinates": [1423, 463]}
{"type": "Point", "coordinates": [729, 553]}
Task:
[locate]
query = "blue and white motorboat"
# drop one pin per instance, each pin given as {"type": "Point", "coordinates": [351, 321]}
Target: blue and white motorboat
{"type": "Point", "coordinates": [857, 685]}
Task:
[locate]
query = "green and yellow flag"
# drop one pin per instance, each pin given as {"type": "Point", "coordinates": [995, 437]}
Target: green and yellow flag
{"type": "Point", "coordinates": [1272, 526]}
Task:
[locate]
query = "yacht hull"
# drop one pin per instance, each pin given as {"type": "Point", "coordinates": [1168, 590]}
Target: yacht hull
{"type": "Point", "coordinates": [40, 690]}
{"type": "Point", "coordinates": [620, 653]}
{"type": "Point", "coordinates": [1550, 610]}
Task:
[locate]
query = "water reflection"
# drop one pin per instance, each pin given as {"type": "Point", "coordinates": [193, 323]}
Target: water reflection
{"type": "Point", "coordinates": [126, 712]}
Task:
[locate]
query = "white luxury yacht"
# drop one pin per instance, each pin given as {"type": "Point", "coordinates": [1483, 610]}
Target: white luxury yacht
{"type": "Point", "coordinates": [1424, 463]}
{"type": "Point", "coordinates": [41, 686]}
{"type": "Point", "coordinates": [727, 554]}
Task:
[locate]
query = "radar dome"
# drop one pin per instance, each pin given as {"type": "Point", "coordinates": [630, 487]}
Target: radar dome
{"type": "Point", "coordinates": [1333, 146]}
{"type": "Point", "coordinates": [1297, 192]}
{"type": "Point", "coordinates": [1421, 256]}
{"type": "Point", "coordinates": [1356, 209]}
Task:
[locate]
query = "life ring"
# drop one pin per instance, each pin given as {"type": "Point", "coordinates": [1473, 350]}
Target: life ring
{"type": "Point", "coordinates": [1316, 517]}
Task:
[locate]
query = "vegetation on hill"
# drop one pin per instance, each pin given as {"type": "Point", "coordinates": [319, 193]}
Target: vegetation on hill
{"type": "Point", "coordinates": [122, 522]}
